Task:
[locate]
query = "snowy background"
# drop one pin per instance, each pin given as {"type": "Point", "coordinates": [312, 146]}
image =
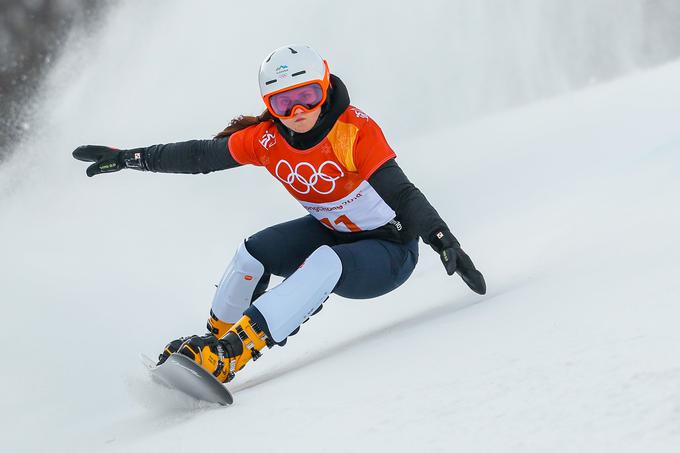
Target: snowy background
{"type": "Point", "coordinates": [545, 132]}
{"type": "Point", "coordinates": [32, 34]}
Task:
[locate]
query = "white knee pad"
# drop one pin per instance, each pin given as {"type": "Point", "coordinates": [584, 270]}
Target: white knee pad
{"type": "Point", "coordinates": [288, 305]}
{"type": "Point", "coordinates": [237, 286]}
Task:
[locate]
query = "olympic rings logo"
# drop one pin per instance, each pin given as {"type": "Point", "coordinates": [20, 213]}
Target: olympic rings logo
{"type": "Point", "coordinates": [313, 179]}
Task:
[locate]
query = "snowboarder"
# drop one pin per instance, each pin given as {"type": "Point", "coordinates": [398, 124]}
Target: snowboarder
{"type": "Point", "coordinates": [360, 239]}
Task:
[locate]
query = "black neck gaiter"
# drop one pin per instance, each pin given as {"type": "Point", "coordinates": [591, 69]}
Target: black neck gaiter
{"type": "Point", "coordinates": [336, 103]}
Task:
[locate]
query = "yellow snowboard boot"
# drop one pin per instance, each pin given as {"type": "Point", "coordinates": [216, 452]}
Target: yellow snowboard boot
{"type": "Point", "coordinates": [217, 327]}
{"type": "Point", "coordinates": [223, 357]}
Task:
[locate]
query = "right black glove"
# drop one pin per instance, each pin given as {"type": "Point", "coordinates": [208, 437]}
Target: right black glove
{"type": "Point", "coordinates": [108, 160]}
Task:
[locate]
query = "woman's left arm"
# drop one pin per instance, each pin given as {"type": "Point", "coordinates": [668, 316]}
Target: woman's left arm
{"type": "Point", "coordinates": [420, 218]}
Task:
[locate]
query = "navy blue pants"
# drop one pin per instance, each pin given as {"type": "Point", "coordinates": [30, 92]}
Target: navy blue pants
{"type": "Point", "coordinates": [370, 267]}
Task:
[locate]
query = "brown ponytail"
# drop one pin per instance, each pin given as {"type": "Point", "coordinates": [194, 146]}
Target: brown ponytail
{"type": "Point", "coordinates": [243, 121]}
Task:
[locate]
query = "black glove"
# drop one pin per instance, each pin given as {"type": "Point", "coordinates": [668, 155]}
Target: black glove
{"type": "Point", "coordinates": [108, 160]}
{"type": "Point", "coordinates": [456, 260]}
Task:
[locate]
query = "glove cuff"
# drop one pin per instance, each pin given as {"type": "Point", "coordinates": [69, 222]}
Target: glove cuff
{"type": "Point", "coordinates": [441, 239]}
{"type": "Point", "coordinates": [134, 159]}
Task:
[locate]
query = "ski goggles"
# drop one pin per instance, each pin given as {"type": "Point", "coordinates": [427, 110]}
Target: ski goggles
{"type": "Point", "coordinates": [307, 96]}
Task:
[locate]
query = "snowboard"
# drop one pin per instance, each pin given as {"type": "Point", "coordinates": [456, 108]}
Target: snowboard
{"type": "Point", "coordinates": [181, 373]}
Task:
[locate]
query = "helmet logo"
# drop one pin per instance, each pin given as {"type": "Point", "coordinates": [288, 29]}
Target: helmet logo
{"type": "Point", "coordinates": [281, 69]}
{"type": "Point", "coordinates": [304, 177]}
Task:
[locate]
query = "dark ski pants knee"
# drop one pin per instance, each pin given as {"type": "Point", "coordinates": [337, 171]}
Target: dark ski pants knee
{"type": "Point", "coordinates": [370, 267]}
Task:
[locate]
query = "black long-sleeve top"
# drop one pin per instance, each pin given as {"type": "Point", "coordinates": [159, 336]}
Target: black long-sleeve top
{"type": "Point", "coordinates": [415, 216]}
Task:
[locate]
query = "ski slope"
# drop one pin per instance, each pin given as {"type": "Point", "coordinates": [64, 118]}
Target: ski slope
{"type": "Point", "coordinates": [568, 205]}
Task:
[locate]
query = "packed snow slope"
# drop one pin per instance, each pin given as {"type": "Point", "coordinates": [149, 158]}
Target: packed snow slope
{"type": "Point", "coordinates": [568, 206]}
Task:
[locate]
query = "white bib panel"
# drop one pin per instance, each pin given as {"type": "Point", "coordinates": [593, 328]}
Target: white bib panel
{"type": "Point", "coordinates": [361, 210]}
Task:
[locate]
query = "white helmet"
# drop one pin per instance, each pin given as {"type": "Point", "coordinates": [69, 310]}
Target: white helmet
{"type": "Point", "coordinates": [292, 66]}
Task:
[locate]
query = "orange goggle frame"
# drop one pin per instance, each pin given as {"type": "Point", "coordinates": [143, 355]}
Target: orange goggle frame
{"type": "Point", "coordinates": [325, 83]}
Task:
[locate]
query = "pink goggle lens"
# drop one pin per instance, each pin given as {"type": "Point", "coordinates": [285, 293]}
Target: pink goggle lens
{"type": "Point", "coordinates": [308, 96]}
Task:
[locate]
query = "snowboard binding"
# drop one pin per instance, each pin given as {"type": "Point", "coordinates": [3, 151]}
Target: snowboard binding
{"type": "Point", "coordinates": [222, 357]}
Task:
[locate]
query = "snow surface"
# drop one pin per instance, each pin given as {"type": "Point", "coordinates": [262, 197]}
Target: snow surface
{"type": "Point", "coordinates": [568, 206]}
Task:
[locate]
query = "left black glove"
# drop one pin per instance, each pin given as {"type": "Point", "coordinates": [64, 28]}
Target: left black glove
{"type": "Point", "coordinates": [108, 160]}
{"type": "Point", "coordinates": [456, 260]}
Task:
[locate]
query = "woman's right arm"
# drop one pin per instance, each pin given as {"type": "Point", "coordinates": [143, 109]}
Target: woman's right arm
{"type": "Point", "coordinates": [194, 156]}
